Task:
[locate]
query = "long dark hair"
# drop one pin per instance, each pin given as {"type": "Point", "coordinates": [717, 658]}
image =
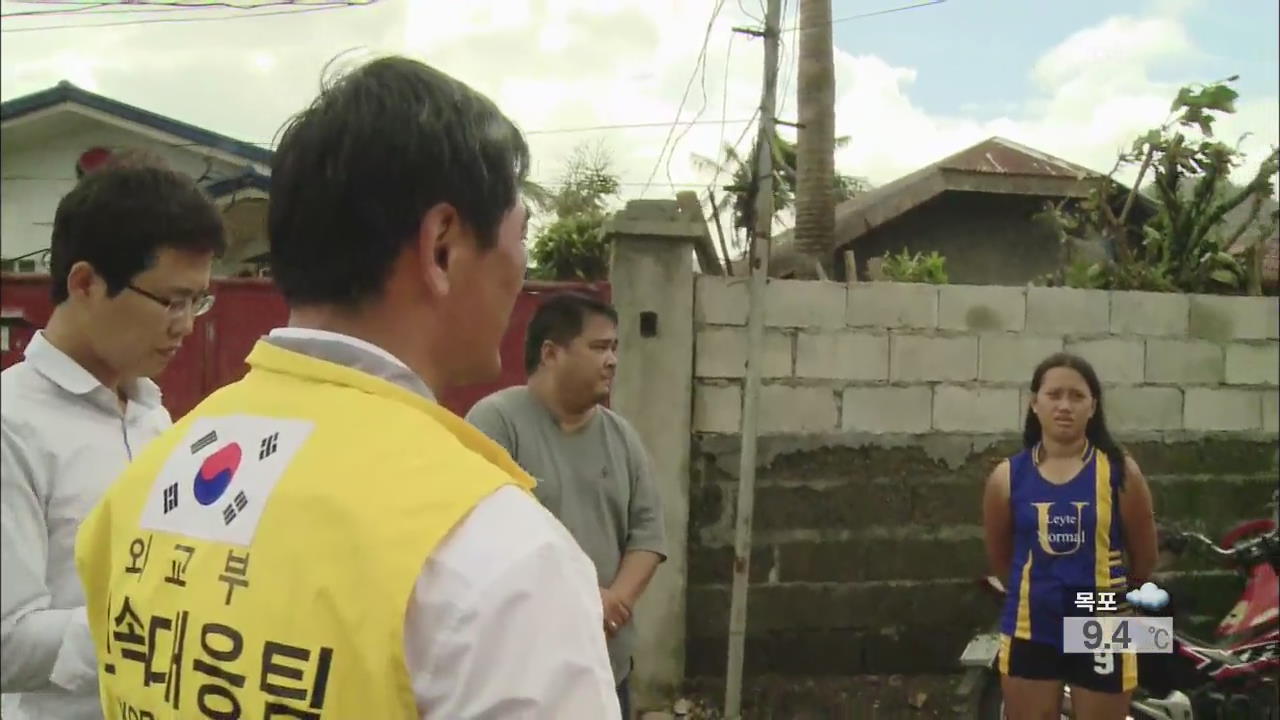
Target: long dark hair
{"type": "Point", "coordinates": [1096, 430]}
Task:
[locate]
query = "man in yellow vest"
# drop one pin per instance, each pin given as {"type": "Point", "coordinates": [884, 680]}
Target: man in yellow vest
{"type": "Point", "coordinates": [321, 539]}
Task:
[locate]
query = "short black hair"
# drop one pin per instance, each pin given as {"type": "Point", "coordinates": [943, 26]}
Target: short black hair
{"type": "Point", "coordinates": [560, 319]}
{"type": "Point", "coordinates": [355, 172]}
{"type": "Point", "coordinates": [120, 214]}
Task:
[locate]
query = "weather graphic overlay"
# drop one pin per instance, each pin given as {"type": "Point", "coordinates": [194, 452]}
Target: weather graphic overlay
{"type": "Point", "coordinates": [215, 474]}
{"type": "Point", "coordinates": [1092, 633]}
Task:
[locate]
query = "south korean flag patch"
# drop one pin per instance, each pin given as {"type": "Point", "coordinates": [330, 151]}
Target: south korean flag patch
{"type": "Point", "coordinates": [218, 481]}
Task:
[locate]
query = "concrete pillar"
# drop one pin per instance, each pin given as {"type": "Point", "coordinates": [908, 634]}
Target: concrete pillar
{"type": "Point", "coordinates": [651, 274]}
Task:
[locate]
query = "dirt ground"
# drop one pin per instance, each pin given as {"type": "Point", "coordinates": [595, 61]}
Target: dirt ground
{"type": "Point", "coordinates": [871, 697]}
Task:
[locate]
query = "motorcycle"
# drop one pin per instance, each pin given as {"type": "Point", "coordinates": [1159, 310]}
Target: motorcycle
{"type": "Point", "coordinates": [1233, 675]}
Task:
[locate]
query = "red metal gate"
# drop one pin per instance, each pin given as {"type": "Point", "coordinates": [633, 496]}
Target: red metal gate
{"type": "Point", "coordinates": [247, 308]}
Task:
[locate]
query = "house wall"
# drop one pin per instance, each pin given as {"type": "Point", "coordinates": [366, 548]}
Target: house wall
{"type": "Point", "coordinates": [987, 239]}
{"type": "Point", "coordinates": [884, 406]}
{"type": "Point", "coordinates": [36, 177]}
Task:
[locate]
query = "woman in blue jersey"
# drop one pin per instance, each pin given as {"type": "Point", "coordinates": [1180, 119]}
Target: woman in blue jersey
{"type": "Point", "coordinates": [1069, 513]}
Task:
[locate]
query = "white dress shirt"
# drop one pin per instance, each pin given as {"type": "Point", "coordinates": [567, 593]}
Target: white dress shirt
{"type": "Point", "coordinates": [65, 440]}
{"type": "Point", "coordinates": [505, 620]}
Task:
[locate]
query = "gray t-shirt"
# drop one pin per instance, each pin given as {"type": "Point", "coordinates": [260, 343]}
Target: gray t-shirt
{"type": "Point", "coordinates": [597, 481]}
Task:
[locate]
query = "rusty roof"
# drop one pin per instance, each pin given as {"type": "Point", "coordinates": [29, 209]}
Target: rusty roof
{"type": "Point", "coordinates": [995, 165]}
{"type": "Point", "coordinates": [999, 156]}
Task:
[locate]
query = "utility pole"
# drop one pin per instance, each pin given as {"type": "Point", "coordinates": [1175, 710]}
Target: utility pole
{"type": "Point", "coordinates": [759, 269]}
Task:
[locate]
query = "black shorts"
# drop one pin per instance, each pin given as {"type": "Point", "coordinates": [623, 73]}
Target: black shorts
{"type": "Point", "coordinates": [1106, 672]}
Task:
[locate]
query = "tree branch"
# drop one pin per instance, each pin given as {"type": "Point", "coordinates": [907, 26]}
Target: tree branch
{"type": "Point", "coordinates": [1137, 183]}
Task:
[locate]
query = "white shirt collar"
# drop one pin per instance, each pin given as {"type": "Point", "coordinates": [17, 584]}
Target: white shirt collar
{"type": "Point", "coordinates": [69, 375]}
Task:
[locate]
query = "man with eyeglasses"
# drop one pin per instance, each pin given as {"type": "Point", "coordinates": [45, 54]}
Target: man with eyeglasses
{"type": "Point", "coordinates": [132, 252]}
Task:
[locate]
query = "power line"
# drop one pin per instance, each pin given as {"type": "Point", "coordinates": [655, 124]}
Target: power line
{"type": "Point", "coordinates": [195, 18]}
{"type": "Point", "coordinates": [702, 56]}
{"type": "Point", "coordinates": [546, 131]}
{"type": "Point", "coordinates": [549, 131]}
{"type": "Point", "coordinates": [792, 64]}
{"type": "Point", "coordinates": [60, 11]}
{"type": "Point", "coordinates": [724, 102]}
{"type": "Point", "coordinates": [888, 11]}
{"type": "Point", "coordinates": [685, 132]}
{"type": "Point", "coordinates": [623, 183]}
{"type": "Point", "coordinates": [153, 7]}
{"type": "Point", "coordinates": [754, 19]}
{"type": "Point", "coordinates": [631, 125]}
{"type": "Point", "coordinates": [547, 183]}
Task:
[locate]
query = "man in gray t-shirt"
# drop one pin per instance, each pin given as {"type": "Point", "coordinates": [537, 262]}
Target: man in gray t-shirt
{"type": "Point", "coordinates": [593, 472]}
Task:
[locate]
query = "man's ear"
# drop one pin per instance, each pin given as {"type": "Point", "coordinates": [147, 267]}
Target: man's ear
{"type": "Point", "coordinates": [548, 351]}
{"type": "Point", "coordinates": [81, 280]}
{"type": "Point", "coordinates": [437, 242]}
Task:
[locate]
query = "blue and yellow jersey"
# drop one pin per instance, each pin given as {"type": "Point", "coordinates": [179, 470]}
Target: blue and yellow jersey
{"type": "Point", "coordinates": [1066, 538]}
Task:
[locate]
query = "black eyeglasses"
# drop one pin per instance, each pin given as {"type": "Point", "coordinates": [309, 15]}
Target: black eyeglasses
{"type": "Point", "coordinates": [177, 307]}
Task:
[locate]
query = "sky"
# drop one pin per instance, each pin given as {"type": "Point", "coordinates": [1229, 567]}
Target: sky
{"type": "Point", "coordinates": [1075, 79]}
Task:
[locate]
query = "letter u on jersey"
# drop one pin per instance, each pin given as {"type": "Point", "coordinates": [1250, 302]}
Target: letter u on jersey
{"type": "Point", "coordinates": [1060, 534]}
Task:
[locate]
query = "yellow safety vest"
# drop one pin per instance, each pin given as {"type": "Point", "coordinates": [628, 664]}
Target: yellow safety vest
{"type": "Point", "coordinates": [256, 561]}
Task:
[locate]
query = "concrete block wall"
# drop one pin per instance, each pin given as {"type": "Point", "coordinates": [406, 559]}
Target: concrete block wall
{"type": "Point", "coordinates": [960, 355]}
{"type": "Point", "coordinates": [884, 406]}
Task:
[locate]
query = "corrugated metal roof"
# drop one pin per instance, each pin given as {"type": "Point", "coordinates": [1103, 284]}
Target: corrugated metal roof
{"type": "Point", "coordinates": [999, 156]}
{"type": "Point", "coordinates": [994, 165]}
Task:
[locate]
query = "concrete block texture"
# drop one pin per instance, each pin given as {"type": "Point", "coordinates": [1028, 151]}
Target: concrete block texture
{"type": "Point", "coordinates": [920, 358]}
{"type": "Point", "coordinates": [1253, 363]}
{"type": "Point", "coordinates": [888, 409]}
{"type": "Point", "coordinates": [1143, 408]}
{"type": "Point", "coordinates": [720, 300]}
{"type": "Point", "coordinates": [1149, 313]}
{"type": "Point", "coordinates": [1184, 361]}
{"type": "Point", "coordinates": [789, 410]}
{"type": "Point", "coordinates": [842, 355]}
{"type": "Point", "coordinates": [892, 305]}
{"type": "Point", "coordinates": [1271, 411]}
{"type": "Point", "coordinates": [721, 352]}
{"type": "Point", "coordinates": [1012, 358]}
{"type": "Point", "coordinates": [717, 408]}
{"type": "Point", "coordinates": [965, 409]}
{"type": "Point", "coordinates": [1222, 409]}
{"type": "Point", "coordinates": [1116, 360]}
{"type": "Point", "coordinates": [804, 303]}
{"type": "Point", "coordinates": [1221, 318]}
{"type": "Point", "coordinates": [982, 308]}
{"type": "Point", "coordinates": [1068, 311]}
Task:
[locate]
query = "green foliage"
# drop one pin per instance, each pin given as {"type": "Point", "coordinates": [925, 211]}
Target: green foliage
{"type": "Point", "coordinates": [917, 268]}
{"type": "Point", "coordinates": [1184, 246]}
{"type": "Point", "coordinates": [573, 246]}
{"type": "Point", "coordinates": [740, 169]}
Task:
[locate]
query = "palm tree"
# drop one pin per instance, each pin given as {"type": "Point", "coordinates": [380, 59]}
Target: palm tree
{"type": "Point", "coordinates": [738, 170]}
{"type": "Point", "coordinates": [815, 99]}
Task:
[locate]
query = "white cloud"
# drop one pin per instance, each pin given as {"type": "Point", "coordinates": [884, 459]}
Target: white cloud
{"type": "Point", "coordinates": [1116, 52]}
{"type": "Point", "coordinates": [578, 63]}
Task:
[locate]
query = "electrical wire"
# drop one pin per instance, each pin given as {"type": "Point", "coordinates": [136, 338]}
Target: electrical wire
{"type": "Point", "coordinates": [624, 126]}
{"type": "Point", "coordinates": [754, 19]}
{"type": "Point", "coordinates": [299, 10]}
{"type": "Point", "coordinates": [153, 7]}
{"type": "Point", "coordinates": [697, 116]}
{"type": "Point", "coordinates": [792, 67]}
{"type": "Point", "coordinates": [888, 11]}
{"type": "Point", "coordinates": [724, 101]}
{"type": "Point", "coordinates": [702, 56]}
{"type": "Point", "coordinates": [61, 11]}
{"type": "Point", "coordinates": [549, 183]}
